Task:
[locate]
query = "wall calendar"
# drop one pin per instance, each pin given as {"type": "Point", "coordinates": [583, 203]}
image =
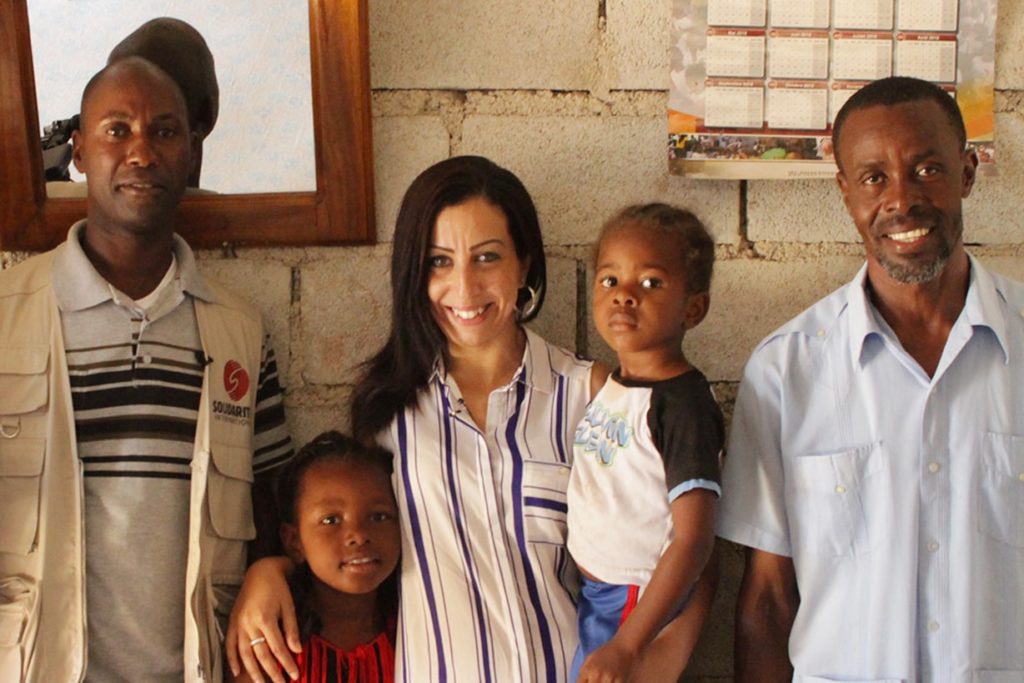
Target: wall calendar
{"type": "Point", "coordinates": [756, 84]}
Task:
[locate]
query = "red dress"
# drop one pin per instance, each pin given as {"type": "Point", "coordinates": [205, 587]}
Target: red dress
{"type": "Point", "coordinates": [372, 662]}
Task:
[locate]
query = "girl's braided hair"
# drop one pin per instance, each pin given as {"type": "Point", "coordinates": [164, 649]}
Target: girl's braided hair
{"type": "Point", "coordinates": [331, 444]}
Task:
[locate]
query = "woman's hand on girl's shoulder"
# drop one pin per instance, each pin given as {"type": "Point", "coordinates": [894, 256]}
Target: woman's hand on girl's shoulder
{"type": "Point", "coordinates": [598, 376]}
{"type": "Point", "coordinates": [254, 640]}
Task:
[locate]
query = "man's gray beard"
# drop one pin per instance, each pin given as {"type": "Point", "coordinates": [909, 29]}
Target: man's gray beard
{"type": "Point", "coordinates": [917, 273]}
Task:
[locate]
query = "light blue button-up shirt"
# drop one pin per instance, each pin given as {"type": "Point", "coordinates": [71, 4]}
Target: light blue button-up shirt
{"type": "Point", "coordinates": [899, 496]}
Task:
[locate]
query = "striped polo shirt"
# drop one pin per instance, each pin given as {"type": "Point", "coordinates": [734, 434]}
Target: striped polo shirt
{"type": "Point", "coordinates": [488, 588]}
{"type": "Point", "coordinates": [136, 374]}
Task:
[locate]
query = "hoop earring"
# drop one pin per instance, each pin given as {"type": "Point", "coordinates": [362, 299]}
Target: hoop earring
{"type": "Point", "coordinates": [531, 304]}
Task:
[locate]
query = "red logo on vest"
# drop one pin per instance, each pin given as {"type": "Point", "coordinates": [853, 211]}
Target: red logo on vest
{"type": "Point", "coordinates": [236, 380]}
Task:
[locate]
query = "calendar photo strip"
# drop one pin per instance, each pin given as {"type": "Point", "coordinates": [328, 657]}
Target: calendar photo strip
{"type": "Point", "coordinates": [756, 84]}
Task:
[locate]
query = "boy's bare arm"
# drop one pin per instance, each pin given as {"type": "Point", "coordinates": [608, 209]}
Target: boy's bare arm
{"type": "Point", "coordinates": [668, 655]}
{"type": "Point", "coordinates": [765, 611]}
{"type": "Point", "coordinates": [693, 522]}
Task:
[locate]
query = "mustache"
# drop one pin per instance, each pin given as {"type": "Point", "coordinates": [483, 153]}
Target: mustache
{"type": "Point", "coordinates": [921, 217]}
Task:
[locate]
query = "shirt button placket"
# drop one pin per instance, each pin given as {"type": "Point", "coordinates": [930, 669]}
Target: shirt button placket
{"type": "Point", "coordinates": [933, 530]}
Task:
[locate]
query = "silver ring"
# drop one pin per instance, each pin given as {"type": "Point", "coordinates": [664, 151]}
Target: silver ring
{"type": "Point", "coordinates": [256, 641]}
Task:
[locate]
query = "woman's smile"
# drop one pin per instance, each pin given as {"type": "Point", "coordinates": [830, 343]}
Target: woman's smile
{"type": "Point", "coordinates": [475, 275]}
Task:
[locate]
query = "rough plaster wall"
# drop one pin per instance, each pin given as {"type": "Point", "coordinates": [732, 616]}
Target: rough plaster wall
{"type": "Point", "coordinates": [571, 96]}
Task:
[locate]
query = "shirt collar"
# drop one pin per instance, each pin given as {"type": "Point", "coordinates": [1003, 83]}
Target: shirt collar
{"type": "Point", "coordinates": [78, 285]}
{"type": "Point", "coordinates": [862, 321]}
{"type": "Point", "coordinates": [535, 370]}
{"type": "Point", "coordinates": [983, 307]}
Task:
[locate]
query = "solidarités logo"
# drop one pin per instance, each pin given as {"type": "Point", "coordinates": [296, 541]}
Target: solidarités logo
{"type": "Point", "coordinates": [236, 380]}
{"type": "Point", "coordinates": [236, 383]}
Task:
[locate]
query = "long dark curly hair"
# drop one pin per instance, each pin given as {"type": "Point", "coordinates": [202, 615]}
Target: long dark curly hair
{"type": "Point", "coordinates": [394, 376]}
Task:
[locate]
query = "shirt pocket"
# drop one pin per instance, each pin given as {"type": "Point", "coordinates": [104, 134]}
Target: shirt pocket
{"type": "Point", "coordinates": [24, 396]}
{"type": "Point", "coordinates": [230, 492]}
{"type": "Point", "coordinates": [544, 501]}
{"type": "Point", "coordinates": [1001, 488]}
{"type": "Point", "coordinates": [839, 500]}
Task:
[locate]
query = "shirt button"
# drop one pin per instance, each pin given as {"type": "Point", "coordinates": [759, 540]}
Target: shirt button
{"type": "Point", "coordinates": [840, 489]}
{"type": "Point", "coordinates": [934, 467]}
{"type": "Point", "coordinates": [933, 626]}
{"type": "Point", "coordinates": [821, 333]}
{"type": "Point", "coordinates": [147, 359]}
{"type": "Point", "coordinates": [933, 546]}
{"type": "Point", "coordinates": [1021, 476]}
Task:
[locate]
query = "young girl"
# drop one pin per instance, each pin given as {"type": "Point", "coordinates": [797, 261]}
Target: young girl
{"type": "Point", "coordinates": [645, 473]}
{"type": "Point", "coordinates": [340, 527]}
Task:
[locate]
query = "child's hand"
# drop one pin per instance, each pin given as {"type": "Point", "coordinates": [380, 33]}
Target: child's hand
{"type": "Point", "coordinates": [609, 663]}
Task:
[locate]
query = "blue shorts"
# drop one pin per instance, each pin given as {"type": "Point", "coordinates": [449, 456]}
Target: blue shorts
{"type": "Point", "coordinates": [602, 609]}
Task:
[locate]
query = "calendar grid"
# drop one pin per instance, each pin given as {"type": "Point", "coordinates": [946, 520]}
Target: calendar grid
{"type": "Point", "coordinates": [773, 73]}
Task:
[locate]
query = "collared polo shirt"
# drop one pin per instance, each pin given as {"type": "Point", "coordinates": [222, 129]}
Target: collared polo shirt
{"type": "Point", "coordinates": [136, 376]}
{"type": "Point", "coordinates": [899, 496]}
{"type": "Point", "coordinates": [487, 584]}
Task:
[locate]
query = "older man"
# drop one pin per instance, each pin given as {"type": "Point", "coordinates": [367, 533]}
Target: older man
{"type": "Point", "coordinates": [137, 400]}
{"type": "Point", "coordinates": [877, 456]}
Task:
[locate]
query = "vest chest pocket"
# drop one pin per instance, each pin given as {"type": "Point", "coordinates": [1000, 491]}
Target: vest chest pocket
{"type": "Point", "coordinates": [21, 468]}
{"type": "Point", "coordinates": [24, 394]}
{"type": "Point", "coordinates": [1001, 488]}
{"type": "Point", "coordinates": [23, 380]}
{"type": "Point", "coordinates": [230, 492]}
{"type": "Point", "coordinates": [24, 391]}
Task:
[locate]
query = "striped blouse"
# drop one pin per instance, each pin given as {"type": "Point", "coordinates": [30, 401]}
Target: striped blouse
{"type": "Point", "coordinates": [488, 588]}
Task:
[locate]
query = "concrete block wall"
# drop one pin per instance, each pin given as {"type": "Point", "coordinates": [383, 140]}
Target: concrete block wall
{"type": "Point", "coordinates": [571, 96]}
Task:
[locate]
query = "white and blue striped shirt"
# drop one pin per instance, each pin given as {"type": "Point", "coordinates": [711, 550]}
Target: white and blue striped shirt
{"type": "Point", "coordinates": [488, 588]}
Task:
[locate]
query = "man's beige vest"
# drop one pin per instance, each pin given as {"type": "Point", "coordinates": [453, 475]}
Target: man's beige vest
{"type": "Point", "coordinates": [42, 570]}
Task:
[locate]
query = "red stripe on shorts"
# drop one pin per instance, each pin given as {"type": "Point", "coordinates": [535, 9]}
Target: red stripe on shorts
{"type": "Point", "coordinates": [631, 599]}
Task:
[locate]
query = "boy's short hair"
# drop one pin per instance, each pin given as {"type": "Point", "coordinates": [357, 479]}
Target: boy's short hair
{"type": "Point", "coordinates": [696, 246]}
